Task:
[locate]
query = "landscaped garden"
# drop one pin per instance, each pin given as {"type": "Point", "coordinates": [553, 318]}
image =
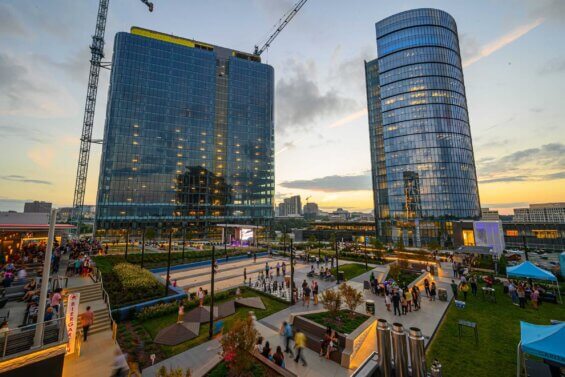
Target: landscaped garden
{"type": "Point", "coordinates": [153, 319]}
{"type": "Point", "coordinates": [499, 333]}
{"type": "Point", "coordinates": [343, 321]}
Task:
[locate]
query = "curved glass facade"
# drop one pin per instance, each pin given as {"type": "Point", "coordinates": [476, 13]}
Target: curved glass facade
{"type": "Point", "coordinates": [422, 153]}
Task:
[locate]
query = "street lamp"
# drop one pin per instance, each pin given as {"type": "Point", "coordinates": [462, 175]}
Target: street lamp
{"type": "Point", "coordinates": [365, 239]}
{"type": "Point", "coordinates": [169, 263]}
{"type": "Point", "coordinates": [213, 273]}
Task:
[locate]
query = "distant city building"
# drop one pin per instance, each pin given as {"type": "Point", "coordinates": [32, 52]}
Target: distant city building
{"type": "Point", "coordinates": [541, 213]}
{"type": "Point", "coordinates": [65, 214]}
{"type": "Point", "coordinates": [189, 136]}
{"type": "Point", "coordinates": [290, 207]}
{"type": "Point", "coordinates": [341, 213]}
{"type": "Point", "coordinates": [543, 236]}
{"type": "Point", "coordinates": [423, 168]}
{"type": "Point", "coordinates": [311, 209]}
{"type": "Point", "coordinates": [488, 214]}
{"type": "Point", "coordinates": [37, 207]}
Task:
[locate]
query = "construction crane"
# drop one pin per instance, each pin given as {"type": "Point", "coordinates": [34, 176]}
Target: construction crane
{"type": "Point", "coordinates": [285, 20]}
{"type": "Point", "coordinates": [308, 198]}
{"type": "Point", "coordinates": [97, 53]}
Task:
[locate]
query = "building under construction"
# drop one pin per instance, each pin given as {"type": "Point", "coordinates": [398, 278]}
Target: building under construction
{"type": "Point", "coordinates": [188, 138]}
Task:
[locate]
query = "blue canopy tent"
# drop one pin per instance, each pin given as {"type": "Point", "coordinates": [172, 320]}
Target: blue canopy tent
{"type": "Point", "coordinates": [542, 341]}
{"type": "Point", "coordinates": [531, 271]}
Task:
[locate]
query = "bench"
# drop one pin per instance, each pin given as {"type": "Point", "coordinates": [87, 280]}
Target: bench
{"type": "Point", "coordinates": [271, 364]}
{"type": "Point", "coordinates": [14, 292]}
{"type": "Point", "coordinates": [314, 336]}
{"type": "Point", "coordinates": [23, 341]}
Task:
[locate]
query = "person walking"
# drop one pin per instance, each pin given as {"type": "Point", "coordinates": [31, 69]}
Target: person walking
{"type": "Point", "coordinates": [86, 320]}
{"type": "Point", "coordinates": [299, 344]}
{"type": "Point", "coordinates": [535, 297]}
{"type": "Point", "coordinates": [306, 293]}
{"type": "Point", "coordinates": [408, 296]}
{"type": "Point", "coordinates": [433, 291]}
{"type": "Point", "coordinates": [404, 303]}
{"type": "Point", "coordinates": [388, 301]}
{"type": "Point", "coordinates": [454, 289]}
{"type": "Point", "coordinates": [427, 287]}
{"type": "Point", "coordinates": [283, 267]}
{"type": "Point", "coordinates": [244, 274]}
{"type": "Point", "coordinates": [396, 303]}
{"type": "Point", "coordinates": [278, 269]}
{"type": "Point", "coordinates": [287, 333]}
{"type": "Point", "coordinates": [416, 297]}
{"type": "Point", "coordinates": [465, 289]}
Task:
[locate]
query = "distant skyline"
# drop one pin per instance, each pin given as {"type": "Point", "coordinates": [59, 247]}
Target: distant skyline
{"type": "Point", "coordinates": [513, 64]}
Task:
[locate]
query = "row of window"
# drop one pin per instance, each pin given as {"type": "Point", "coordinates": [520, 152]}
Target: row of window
{"type": "Point", "coordinates": [419, 55]}
{"type": "Point", "coordinates": [423, 112]}
{"type": "Point", "coordinates": [419, 70]}
{"type": "Point", "coordinates": [433, 125]}
{"type": "Point", "coordinates": [424, 97]}
{"type": "Point", "coordinates": [415, 17]}
{"type": "Point", "coordinates": [417, 36]}
{"type": "Point", "coordinates": [428, 140]}
{"type": "Point", "coordinates": [422, 83]}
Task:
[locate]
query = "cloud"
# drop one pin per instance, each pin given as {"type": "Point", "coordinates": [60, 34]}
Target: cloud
{"type": "Point", "coordinates": [301, 102]}
{"type": "Point", "coordinates": [543, 163]}
{"type": "Point", "coordinates": [556, 65]}
{"type": "Point", "coordinates": [333, 183]}
{"type": "Point", "coordinates": [21, 178]}
{"type": "Point", "coordinates": [469, 46]}
{"type": "Point", "coordinates": [23, 132]}
{"type": "Point", "coordinates": [537, 110]}
{"type": "Point", "coordinates": [41, 156]}
{"type": "Point", "coordinates": [505, 205]}
{"type": "Point", "coordinates": [10, 24]}
{"type": "Point", "coordinates": [349, 73]}
{"type": "Point", "coordinates": [503, 41]}
{"type": "Point", "coordinates": [551, 10]}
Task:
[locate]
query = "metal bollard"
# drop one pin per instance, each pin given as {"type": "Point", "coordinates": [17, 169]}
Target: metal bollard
{"type": "Point", "coordinates": [417, 353]}
{"type": "Point", "coordinates": [399, 350]}
{"type": "Point", "coordinates": [435, 371]}
{"type": "Point", "coordinates": [383, 344]}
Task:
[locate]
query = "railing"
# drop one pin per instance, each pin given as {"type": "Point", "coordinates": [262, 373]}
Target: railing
{"type": "Point", "coordinates": [19, 341]}
{"type": "Point", "coordinates": [97, 277]}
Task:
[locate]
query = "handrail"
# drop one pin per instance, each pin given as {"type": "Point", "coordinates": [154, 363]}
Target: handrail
{"type": "Point", "coordinates": [105, 295]}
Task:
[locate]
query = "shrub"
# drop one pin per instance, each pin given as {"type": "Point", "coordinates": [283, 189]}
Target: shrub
{"type": "Point", "coordinates": [135, 277]}
{"type": "Point", "coordinates": [331, 300]}
{"type": "Point", "coordinates": [237, 345]}
{"type": "Point", "coordinates": [177, 372]}
{"type": "Point", "coordinates": [351, 296]}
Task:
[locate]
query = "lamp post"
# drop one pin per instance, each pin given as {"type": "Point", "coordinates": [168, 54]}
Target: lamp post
{"type": "Point", "coordinates": [142, 246]}
{"type": "Point", "coordinates": [169, 263]}
{"type": "Point", "coordinates": [336, 260]}
{"type": "Point", "coordinates": [213, 273]}
{"type": "Point", "coordinates": [291, 274]}
{"type": "Point", "coordinates": [127, 242]}
{"type": "Point", "coordinates": [183, 239]}
{"type": "Point", "coordinates": [365, 240]}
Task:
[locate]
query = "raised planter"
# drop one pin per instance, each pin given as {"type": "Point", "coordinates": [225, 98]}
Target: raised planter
{"type": "Point", "coordinates": [128, 312]}
{"type": "Point", "coordinates": [352, 351]}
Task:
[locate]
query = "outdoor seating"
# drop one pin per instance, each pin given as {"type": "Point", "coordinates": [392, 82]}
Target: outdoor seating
{"type": "Point", "coordinates": [14, 292]}
{"type": "Point", "coordinates": [270, 364]}
{"type": "Point", "coordinates": [315, 334]}
{"type": "Point", "coordinates": [23, 341]}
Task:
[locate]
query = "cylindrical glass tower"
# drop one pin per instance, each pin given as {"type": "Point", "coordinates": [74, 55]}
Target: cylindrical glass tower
{"type": "Point", "coordinates": [422, 154]}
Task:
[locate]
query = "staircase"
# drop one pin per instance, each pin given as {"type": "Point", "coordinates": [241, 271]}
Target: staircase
{"type": "Point", "coordinates": [91, 295]}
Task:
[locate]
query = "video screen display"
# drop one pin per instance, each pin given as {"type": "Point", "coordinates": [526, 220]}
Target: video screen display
{"type": "Point", "coordinates": [245, 234]}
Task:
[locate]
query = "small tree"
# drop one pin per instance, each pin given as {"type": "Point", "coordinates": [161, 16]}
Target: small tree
{"type": "Point", "coordinates": [394, 271]}
{"type": "Point", "coordinates": [351, 296]}
{"type": "Point", "coordinates": [331, 299]}
{"type": "Point", "coordinates": [237, 345]}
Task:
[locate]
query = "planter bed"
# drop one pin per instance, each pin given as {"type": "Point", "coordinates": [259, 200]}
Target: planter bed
{"type": "Point", "coordinates": [345, 325]}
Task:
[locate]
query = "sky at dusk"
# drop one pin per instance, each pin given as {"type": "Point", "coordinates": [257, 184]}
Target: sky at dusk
{"type": "Point", "coordinates": [514, 67]}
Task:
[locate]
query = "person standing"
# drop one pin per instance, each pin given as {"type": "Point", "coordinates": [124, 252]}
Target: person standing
{"type": "Point", "coordinates": [427, 287]}
{"type": "Point", "coordinates": [315, 292]}
{"type": "Point", "coordinates": [201, 296]}
{"type": "Point", "coordinates": [409, 298]}
{"type": "Point", "coordinates": [465, 289]}
{"type": "Point", "coordinates": [473, 281]}
{"type": "Point", "coordinates": [180, 317]}
{"type": "Point", "coordinates": [244, 274]}
{"type": "Point", "coordinates": [56, 300]}
{"type": "Point", "coordinates": [278, 269]}
{"type": "Point", "coordinates": [535, 297]}
{"type": "Point", "coordinates": [433, 292]}
{"type": "Point", "coordinates": [396, 303]}
{"type": "Point", "coordinates": [521, 296]}
{"type": "Point", "coordinates": [512, 292]}
{"type": "Point", "coordinates": [287, 332]}
{"type": "Point", "coordinates": [299, 344]}
{"type": "Point", "coordinates": [86, 320]}
{"type": "Point", "coordinates": [387, 301]}
{"type": "Point", "coordinates": [306, 293]}
{"type": "Point", "coordinates": [283, 267]}
{"type": "Point", "coordinates": [454, 289]}
{"type": "Point", "coordinates": [278, 357]}
{"type": "Point", "coordinates": [416, 297]}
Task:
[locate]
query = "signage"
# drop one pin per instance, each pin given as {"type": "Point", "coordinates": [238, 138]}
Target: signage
{"type": "Point", "coordinates": [71, 321]}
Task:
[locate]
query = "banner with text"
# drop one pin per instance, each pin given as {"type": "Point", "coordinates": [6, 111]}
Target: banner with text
{"type": "Point", "coordinates": [71, 320]}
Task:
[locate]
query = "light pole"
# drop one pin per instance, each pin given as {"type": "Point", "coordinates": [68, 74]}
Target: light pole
{"type": "Point", "coordinates": [365, 240]}
{"type": "Point", "coordinates": [291, 274]}
{"type": "Point", "coordinates": [169, 263]}
{"type": "Point", "coordinates": [336, 260]}
{"type": "Point", "coordinates": [213, 273]}
{"type": "Point", "coordinates": [127, 242]}
{"type": "Point", "coordinates": [142, 246]}
{"type": "Point", "coordinates": [183, 239]}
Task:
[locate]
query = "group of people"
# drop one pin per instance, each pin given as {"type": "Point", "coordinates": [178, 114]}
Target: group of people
{"type": "Point", "coordinates": [521, 291]}
{"type": "Point", "coordinates": [402, 300]}
{"type": "Point", "coordinates": [309, 291]}
{"type": "Point", "coordinates": [465, 285]}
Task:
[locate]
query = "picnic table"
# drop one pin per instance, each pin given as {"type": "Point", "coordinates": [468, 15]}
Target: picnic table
{"type": "Point", "coordinates": [489, 294]}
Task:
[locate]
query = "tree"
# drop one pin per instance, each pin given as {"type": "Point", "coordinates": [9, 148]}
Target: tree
{"type": "Point", "coordinates": [331, 299]}
{"type": "Point", "coordinates": [177, 372]}
{"type": "Point", "coordinates": [312, 240]}
{"type": "Point", "coordinates": [377, 244]}
{"type": "Point", "coordinates": [394, 271]}
{"type": "Point", "coordinates": [351, 296]}
{"type": "Point", "coordinates": [150, 234]}
{"type": "Point", "coordinates": [502, 263]}
{"type": "Point", "coordinates": [237, 347]}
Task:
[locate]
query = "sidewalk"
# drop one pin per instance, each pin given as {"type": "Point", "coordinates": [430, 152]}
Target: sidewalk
{"type": "Point", "coordinates": [96, 358]}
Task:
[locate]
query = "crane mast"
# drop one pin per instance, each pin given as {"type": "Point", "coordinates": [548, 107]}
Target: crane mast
{"type": "Point", "coordinates": [258, 51]}
{"type": "Point", "coordinates": [97, 53]}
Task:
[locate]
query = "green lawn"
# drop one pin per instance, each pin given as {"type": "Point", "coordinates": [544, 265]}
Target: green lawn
{"type": "Point", "coordinates": [499, 334]}
{"type": "Point", "coordinates": [153, 326]}
{"type": "Point", "coordinates": [351, 270]}
{"type": "Point", "coordinates": [346, 321]}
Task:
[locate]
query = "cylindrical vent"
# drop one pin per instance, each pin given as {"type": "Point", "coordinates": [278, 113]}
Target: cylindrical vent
{"type": "Point", "coordinates": [399, 350]}
{"type": "Point", "coordinates": [383, 344]}
{"type": "Point", "coordinates": [417, 354]}
{"type": "Point", "coordinates": [435, 370]}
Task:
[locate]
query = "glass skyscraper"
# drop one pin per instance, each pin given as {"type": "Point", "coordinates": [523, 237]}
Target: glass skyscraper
{"type": "Point", "coordinates": [422, 159]}
{"type": "Point", "coordinates": [189, 136]}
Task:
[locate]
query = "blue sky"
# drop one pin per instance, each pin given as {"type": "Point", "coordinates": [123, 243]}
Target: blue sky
{"type": "Point", "coordinates": [514, 75]}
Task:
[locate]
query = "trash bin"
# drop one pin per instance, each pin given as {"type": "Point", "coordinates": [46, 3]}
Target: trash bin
{"type": "Point", "coordinates": [442, 294]}
{"type": "Point", "coordinates": [370, 307]}
{"type": "Point", "coordinates": [341, 276]}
